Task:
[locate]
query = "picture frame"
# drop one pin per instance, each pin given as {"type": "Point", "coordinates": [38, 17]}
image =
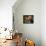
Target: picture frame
{"type": "Point", "coordinates": [28, 19]}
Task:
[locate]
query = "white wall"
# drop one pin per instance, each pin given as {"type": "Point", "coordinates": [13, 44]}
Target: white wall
{"type": "Point", "coordinates": [31, 31]}
{"type": "Point", "coordinates": [20, 10]}
{"type": "Point", "coordinates": [43, 22]}
{"type": "Point", "coordinates": [6, 13]}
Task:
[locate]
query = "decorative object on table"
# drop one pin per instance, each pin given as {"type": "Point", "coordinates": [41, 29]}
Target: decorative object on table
{"type": "Point", "coordinates": [28, 19]}
{"type": "Point", "coordinates": [9, 34]}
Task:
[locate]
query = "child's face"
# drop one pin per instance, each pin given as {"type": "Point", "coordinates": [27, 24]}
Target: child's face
{"type": "Point", "coordinates": [29, 17]}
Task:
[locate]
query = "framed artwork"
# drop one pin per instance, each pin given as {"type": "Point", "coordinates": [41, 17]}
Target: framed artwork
{"type": "Point", "coordinates": [28, 19]}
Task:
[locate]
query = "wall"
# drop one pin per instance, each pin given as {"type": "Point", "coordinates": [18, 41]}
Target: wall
{"type": "Point", "coordinates": [30, 31]}
{"type": "Point", "coordinates": [43, 22]}
{"type": "Point", "coordinates": [6, 13]}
